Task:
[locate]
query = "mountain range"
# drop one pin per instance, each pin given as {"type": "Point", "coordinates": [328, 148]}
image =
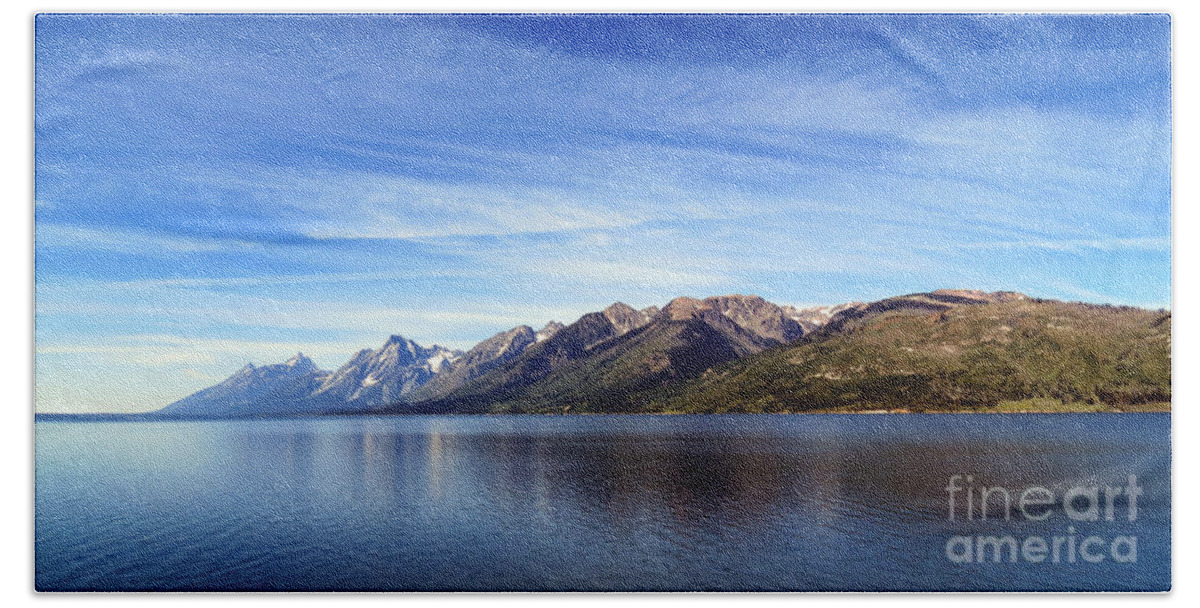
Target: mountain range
{"type": "Point", "coordinates": [369, 379]}
{"type": "Point", "coordinates": [943, 350]}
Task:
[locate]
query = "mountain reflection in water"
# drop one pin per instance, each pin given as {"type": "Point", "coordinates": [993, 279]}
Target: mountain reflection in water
{"type": "Point", "coordinates": [566, 502]}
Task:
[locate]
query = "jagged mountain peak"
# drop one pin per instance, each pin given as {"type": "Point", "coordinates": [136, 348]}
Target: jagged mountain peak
{"type": "Point", "coordinates": [619, 308]}
{"type": "Point", "coordinates": [400, 344]}
{"type": "Point", "coordinates": [254, 390]}
{"type": "Point", "coordinates": [749, 312]}
{"type": "Point", "coordinates": [624, 317]}
{"type": "Point", "coordinates": [738, 304]}
{"type": "Point", "coordinates": [400, 351]}
{"type": "Point", "coordinates": [300, 362]}
{"type": "Point", "coordinates": [374, 378]}
{"type": "Point", "coordinates": [547, 332]}
{"type": "Point", "coordinates": [521, 332]}
{"type": "Point", "coordinates": [483, 357]}
{"type": "Point", "coordinates": [681, 308]}
{"type": "Point", "coordinates": [400, 340]}
{"type": "Point", "coordinates": [516, 338]}
{"type": "Point", "coordinates": [757, 315]}
{"type": "Point", "coordinates": [737, 297]}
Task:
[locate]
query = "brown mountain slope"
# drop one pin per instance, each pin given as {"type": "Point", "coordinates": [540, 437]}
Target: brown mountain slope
{"type": "Point", "coordinates": [951, 351]}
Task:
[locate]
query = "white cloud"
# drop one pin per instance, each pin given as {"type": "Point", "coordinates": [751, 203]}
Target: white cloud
{"type": "Point", "coordinates": [628, 274]}
{"type": "Point", "coordinates": [1110, 244]}
{"type": "Point", "coordinates": [128, 241]}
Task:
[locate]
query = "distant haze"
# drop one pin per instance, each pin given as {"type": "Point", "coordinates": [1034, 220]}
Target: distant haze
{"type": "Point", "coordinates": [223, 189]}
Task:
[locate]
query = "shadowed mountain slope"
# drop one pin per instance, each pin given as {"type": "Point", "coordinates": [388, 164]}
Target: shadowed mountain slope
{"type": "Point", "coordinates": [609, 361]}
{"type": "Point", "coordinates": [281, 388]}
{"type": "Point", "coordinates": [482, 358]}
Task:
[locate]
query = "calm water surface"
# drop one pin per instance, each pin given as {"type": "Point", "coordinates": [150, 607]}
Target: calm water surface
{"type": "Point", "coordinates": [580, 502]}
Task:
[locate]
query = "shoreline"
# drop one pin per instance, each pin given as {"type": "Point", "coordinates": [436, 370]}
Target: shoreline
{"type": "Point", "coordinates": [149, 417]}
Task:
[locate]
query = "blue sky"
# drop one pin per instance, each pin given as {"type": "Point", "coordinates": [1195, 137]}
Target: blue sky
{"type": "Point", "coordinates": [212, 190]}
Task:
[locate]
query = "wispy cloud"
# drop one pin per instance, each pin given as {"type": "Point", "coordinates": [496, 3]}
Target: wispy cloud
{"type": "Point", "coordinates": [446, 177]}
{"type": "Point", "coordinates": [1069, 245]}
{"type": "Point", "coordinates": [460, 323]}
{"type": "Point", "coordinates": [260, 280]}
{"type": "Point", "coordinates": [125, 240]}
{"type": "Point", "coordinates": [170, 351]}
{"type": "Point", "coordinates": [626, 274]}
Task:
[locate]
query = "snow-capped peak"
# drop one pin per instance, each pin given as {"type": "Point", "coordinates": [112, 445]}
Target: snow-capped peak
{"type": "Point", "coordinates": [440, 359]}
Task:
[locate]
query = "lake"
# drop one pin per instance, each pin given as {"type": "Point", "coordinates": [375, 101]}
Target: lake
{"type": "Point", "coordinates": [749, 502]}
